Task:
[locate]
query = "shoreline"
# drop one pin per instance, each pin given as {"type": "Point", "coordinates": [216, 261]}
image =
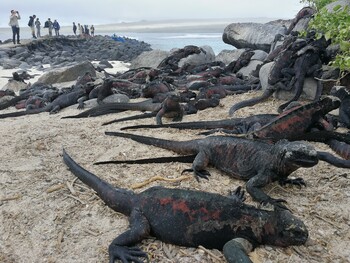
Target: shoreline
{"type": "Point", "coordinates": [159, 26]}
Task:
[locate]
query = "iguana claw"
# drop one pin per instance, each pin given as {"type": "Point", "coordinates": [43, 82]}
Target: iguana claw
{"type": "Point", "coordinates": [297, 181]}
{"type": "Point", "coordinates": [275, 203]}
{"type": "Point", "coordinates": [239, 193]}
{"type": "Point", "coordinates": [125, 254]}
{"type": "Point", "coordinates": [198, 174]}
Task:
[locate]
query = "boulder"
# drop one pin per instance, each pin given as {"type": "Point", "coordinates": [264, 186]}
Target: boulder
{"type": "Point", "coordinates": [15, 85]}
{"type": "Point", "coordinates": [116, 98]}
{"type": "Point", "coordinates": [149, 59]}
{"type": "Point", "coordinates": [252, 35]}
{"type": "Point", "coordinates": [250, 68]}
{"type": "Point", "coordinates": [10, 63]}
{"type": "Point", "coordinates": [309, 91]}
{"type": "Point", "coordinates": [227, 56]}
{"type": "Point", "coordinates": [196, 59]}
{"type": "Point", "coordinates": [264, 74]}
{"type": "Point", "coordinates": [67, 73]}
{"type": "Point", "coordinates": [259, 55]}
{"type": "Point", "coordinates": [309, 88]}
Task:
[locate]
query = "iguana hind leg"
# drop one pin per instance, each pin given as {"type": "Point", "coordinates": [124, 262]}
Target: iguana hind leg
{"type": "Point", "coordinates": [120, 248]}
{"type": "Point", "coordinates": [198, 166]}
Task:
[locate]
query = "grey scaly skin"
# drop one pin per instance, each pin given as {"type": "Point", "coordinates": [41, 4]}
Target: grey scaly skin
{"type": "Point", "coordinates": [192, 218]}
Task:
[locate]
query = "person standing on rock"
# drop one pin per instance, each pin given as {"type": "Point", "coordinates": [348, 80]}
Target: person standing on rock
{"type": "Point", "coordinates": [74, 28]}
{"type": "Point", "coordinates": [79, 29]}
{"type": "Point", "coordinates": [92, 30]}
{"type": "Point", "coordinates": [38, 25]}
{"type": "Point", "coordinates": [57, 27]}
{"type": "Point", "coordinates": [48, 24]}
{"type": "Point", "coordinates": [32, 25]}
{"type": "Point", "coordinates": [15, 25]}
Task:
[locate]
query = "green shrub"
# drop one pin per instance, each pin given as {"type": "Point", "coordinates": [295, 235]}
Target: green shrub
{"type": "Point", "coordinates": [335, 26]}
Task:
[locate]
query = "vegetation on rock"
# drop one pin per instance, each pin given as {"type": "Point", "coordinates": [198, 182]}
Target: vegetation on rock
{"type": "Point", "coordinates": [335, 26]}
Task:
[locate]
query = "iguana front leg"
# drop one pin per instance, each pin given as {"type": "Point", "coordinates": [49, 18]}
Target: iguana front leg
{"type": "Point", "coordinates": [198, 166]}
{"type": "Point", "coordinates": [236, 251]}
{"type": "Point", "coordinates": [81, 104]}
{"type": "Point", "coordinates": [120, 246]}
{"type": "Point", "coordinates": [255, 184]}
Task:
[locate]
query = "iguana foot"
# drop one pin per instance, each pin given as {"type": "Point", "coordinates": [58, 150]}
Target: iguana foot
{"type": "Point", "coordinates": [297, 181]}
{"type": "Point", "coordinates": [198, 173]}
{"type": "Point", "coordinates": [238, 193]}
{"type": "Point", "coordinates": [275, 202]}
{"type": "Point", "coordinates": [125, 254]}
{"type": "Point", "coordinates": [81, 107]}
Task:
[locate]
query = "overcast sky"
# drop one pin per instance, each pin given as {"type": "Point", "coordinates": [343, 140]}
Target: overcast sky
{"type": "Point", "coordinates": [115, 11]}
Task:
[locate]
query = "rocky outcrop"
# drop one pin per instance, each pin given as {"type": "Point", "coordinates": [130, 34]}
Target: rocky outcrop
{"type": "Point", "coordinates": [252, 35]}
{"type": "Point", "coordinates": [63, 51]}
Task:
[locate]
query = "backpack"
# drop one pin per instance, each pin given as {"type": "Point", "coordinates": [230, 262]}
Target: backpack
{"type": "Point", "coordinates": [31, 19]}
{"type": "Point", "coordinates": [46, 25]}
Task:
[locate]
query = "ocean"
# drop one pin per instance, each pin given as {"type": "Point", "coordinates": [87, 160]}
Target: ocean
{"type": "Point", "coordinates": [168, 41]}
{"type": "Point", "coordinates": [162, 41]}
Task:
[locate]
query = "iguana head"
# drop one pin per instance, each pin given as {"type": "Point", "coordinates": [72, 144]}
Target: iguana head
{"type": "Point", "coordinates": [285, 230]}
{"type": "Point", "coordinates": [297, 154]}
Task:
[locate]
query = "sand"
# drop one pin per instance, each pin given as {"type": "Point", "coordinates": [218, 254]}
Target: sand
{"type": "Point", "coordinates": [47, 215]}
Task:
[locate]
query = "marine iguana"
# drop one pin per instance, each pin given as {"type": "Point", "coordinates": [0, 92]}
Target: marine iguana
{"type": "Point", "coordinates": [170, 107]}
{"type": "Point", "coordinates": [192, 218]}
{"type": "Point", "coordinates": [343, 94]}
{"type": "Point", "coordinates": [307, 64]}
{"type": "Point", "coordinates": [62, 101]}
{"type": "Point", "coordinates": [257, 162]}
{"type": "Point", "coordinates": [285, 59]}
{"type": "Point", "coordinates": [240, 125]}
{"type": "Point", "coordinates": [291, 124]}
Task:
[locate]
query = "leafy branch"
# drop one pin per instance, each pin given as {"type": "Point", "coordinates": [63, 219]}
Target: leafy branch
{"type": "Point", "coordinates": [335, 26]}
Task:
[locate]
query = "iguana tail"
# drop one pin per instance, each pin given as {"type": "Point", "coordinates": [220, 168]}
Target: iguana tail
{"type": "Point", "coordinates": [180, 159]}
{"type": "Point", "coordinates": [118, 199]}
{"type": "Point", "coordinates": [268, 93]}
{"type": "Point", "coordinates": [13, 114]}
{"type": "Point", "coordinates": [181, 147]}
{"type": "Point", "coordinates": [331, 159]}
{"type": "Point", "coordinates": [135, 117]}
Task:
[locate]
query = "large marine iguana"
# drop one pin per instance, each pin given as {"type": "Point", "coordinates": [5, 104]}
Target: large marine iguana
{"type": "Point", "coordinates": [257, 162]}
{"type": "Point", "coordinates": [232, 125]}
{"type": "Point", "coordinates": [293, 123]}
{"type": "Point", "coordinates": [192, 218]}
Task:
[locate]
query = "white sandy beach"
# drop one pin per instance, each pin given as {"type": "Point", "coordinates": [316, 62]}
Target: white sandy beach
{"type": "Point", "coordinates": [47, 215]}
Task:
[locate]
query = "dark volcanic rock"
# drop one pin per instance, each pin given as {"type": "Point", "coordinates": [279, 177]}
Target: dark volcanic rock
{"type": "Point", "coordinates": [62, 50]}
